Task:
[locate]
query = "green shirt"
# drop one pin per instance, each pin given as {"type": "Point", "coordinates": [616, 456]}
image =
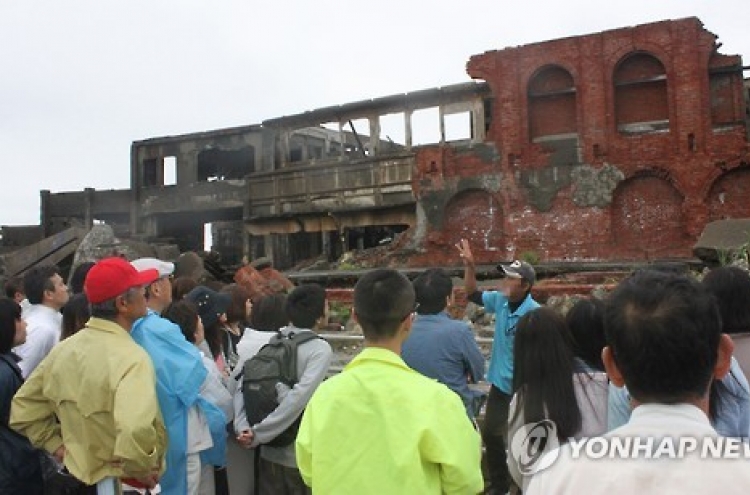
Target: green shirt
{"type": "Point", "coordinates": [101, 386]}
{"type": "Point", "coordinates": [380, 427]}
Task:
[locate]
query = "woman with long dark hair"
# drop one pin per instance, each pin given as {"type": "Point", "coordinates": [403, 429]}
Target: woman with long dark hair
{"type": "Point", "coordinates": [76, 313]}
{"type": "Point", "coordinates": [586, 323]}
{"type": "Point", "coordinates": [20, 469]}
{"type": "Point", "coordinates": [548, 386]}
{"type": "Point", "coordinates": [238, 314]}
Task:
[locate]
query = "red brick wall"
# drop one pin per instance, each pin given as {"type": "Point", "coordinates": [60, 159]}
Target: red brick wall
{"type": "Point", "coordinates": [647, 219]}
{"type": "Point", "coordinates": [476, 215]}
{"type": "Point", "coordinates": [669, 183]}
{"type": "Point", "coordinates": [549, 115]}
{"type": "Point", "coordinates": [730, 196]}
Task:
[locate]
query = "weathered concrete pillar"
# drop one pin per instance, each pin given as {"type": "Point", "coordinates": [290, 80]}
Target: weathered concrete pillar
{"type": "Point", "coordinates": [88, 219]}
{"type": "Point", "coordinates": [44, 213]}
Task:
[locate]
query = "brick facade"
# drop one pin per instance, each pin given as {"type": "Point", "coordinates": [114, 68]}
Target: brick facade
{"type": "Point", "coordinates": [616, 145]}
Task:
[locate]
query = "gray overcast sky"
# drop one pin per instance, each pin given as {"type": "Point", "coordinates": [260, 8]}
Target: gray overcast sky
{"type": "Point", "coordinates": [82, 79]}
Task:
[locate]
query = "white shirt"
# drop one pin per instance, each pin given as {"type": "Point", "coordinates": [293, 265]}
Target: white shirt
{"type": "Point", "coordinates": [42, 333]}
{"type": "Point", "coordinates": [250, 344]}
{"type": "Point", "coordinates": [611, 476]}
{"type": "Point", "coordinates": [591, 396]}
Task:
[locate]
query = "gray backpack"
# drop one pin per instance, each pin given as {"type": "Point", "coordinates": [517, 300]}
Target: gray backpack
{"type": "Point", "coordinates": [275, 362]}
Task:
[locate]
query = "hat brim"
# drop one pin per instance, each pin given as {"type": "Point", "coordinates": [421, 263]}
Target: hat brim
{"type": "Point", "coordinates": [509, 272]}
{"type": "Point", "coordinates": [145, 277]}
{"type": "Point", "coordinates": [223, 301]}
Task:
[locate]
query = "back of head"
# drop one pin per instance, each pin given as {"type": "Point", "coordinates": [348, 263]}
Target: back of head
{"type": "Point", "coordinates": [37, 280]}
{"type": "Point", "coordinates": [586, 323]}
{"type": "Point", "coordinates": [543, 370]}
{"type": "Point", "coordinates": [10, 312]}
{"type": "Point", "coordinates": [181, 286]}
{"type": "Point", "coordinates": [185, 315]}
{"type": "Point", "coordinates": [75, 314]}
{"type": "Point", "coordinates": [305, 305]}
{"type": "Point", "coordinates": [78, 277]}
{"type": "Point", "coordinates": [432, 288]}
{"type": "Point", "coordinates": [663, 330]}
{"type": "Point", "coordinates": [383, 298]}
{"type": "Point", "coordinates": [237, 310]}
{"type": "Point", "coordinates": [14, 286]}
{"type": "Point", "coordinates": [731, 287]}
{"type": "Point", "coordinates": [269, 313]}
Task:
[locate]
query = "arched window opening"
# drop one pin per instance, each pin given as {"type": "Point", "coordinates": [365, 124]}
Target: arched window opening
{"type": "Point", "coordinates": [552, 105]}
{"type": "Point", "coordinates": [641, 103]}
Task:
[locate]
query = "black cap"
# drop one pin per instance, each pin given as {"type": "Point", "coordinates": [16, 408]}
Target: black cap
{"type": "Point", "coordinates": [210, 304]}
{"type": "Point", "coordinates": [519, 269]}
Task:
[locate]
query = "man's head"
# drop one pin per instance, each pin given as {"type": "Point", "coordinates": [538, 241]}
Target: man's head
{"type": "Point", "coordinates": [269, 313]}
{"type": "Point", "coordinates": [306, 306]}
{"type": "Point", "coordinates": [664, 338]}
{"type": "Point", "coordinates": [14, 289]}
{"type": "Point", "coordinates": [383, 303]}
{"type": "Point", "coordinates": [519, 278]}
{"type": "Point", "coordinates": [44, 285]}
{"type": "Point", "coordinates": [433, 289]}
{"type": "Point", "coordinates": [731, 287]}
{"type": "Point", "coordinates": [115, 290]}
{"type": "Point", "coordinates": [159, 292]}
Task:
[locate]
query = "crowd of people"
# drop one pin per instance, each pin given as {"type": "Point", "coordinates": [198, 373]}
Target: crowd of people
{"type": "Point", "coordinates": [128, 380]}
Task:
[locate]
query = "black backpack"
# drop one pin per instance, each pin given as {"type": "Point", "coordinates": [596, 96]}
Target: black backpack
{"type": "Point", "coordinates": [275, 362]}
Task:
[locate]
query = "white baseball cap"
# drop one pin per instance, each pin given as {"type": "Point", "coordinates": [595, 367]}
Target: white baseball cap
{"type": "Point", "coordinates": [165, 268]}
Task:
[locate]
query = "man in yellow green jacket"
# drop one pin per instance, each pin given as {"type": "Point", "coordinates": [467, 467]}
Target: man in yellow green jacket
{"type": "Point", "coordinates": [381, 427]}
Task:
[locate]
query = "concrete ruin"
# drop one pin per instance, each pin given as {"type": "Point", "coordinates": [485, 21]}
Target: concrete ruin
{"type": "Point", "coordinates": [620, 145]}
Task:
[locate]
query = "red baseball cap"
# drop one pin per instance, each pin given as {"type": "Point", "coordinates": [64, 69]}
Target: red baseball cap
{"type": "Point", "coordinates": [111, 277]}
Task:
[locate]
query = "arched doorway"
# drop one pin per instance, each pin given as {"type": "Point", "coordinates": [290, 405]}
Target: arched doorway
{"type": "Point", "coordinates": [647, 219]}
{"type": "Point", "coordinates": [728, 195]}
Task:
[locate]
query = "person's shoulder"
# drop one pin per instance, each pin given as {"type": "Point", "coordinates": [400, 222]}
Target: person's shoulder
{"type": "Point", "coordinates": [424, 385]}
{"type": "Point", "coordinates": [531, 302]}
{"type": "Point", "coordinates": [8, 367]}
{"type": "Point", "coordinates": [492, 295]}
{"type": "Point", "coordinates": [554, 470]}
{"type": "Point", "coordinates": [155, 326]}
{"type": "Point", "coordinates": [318, 344]}
{"type": "Point", "coordinates": [459, 327]}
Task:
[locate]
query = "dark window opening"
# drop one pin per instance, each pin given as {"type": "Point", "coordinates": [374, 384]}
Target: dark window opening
{"type": "Point", "coordinates": [487, 114]}
{"type": "Point", "coordinates": [217, 164]}
{"type": "Point", "coordinates": [725, 112]}
{"type": "Point", "coordinates": [295, 155]}
{"type": "Point", "coordinates": [150, 172]}
{"type": "Point", "coordinates": [373, 236]}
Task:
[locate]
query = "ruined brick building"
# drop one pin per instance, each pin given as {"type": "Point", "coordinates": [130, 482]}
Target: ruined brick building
{"type": "Point", "coordinates": [619, 145]}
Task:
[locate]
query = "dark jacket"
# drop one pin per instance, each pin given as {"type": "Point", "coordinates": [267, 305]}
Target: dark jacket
{"type": "Point", "coordinates": [20, 468]}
